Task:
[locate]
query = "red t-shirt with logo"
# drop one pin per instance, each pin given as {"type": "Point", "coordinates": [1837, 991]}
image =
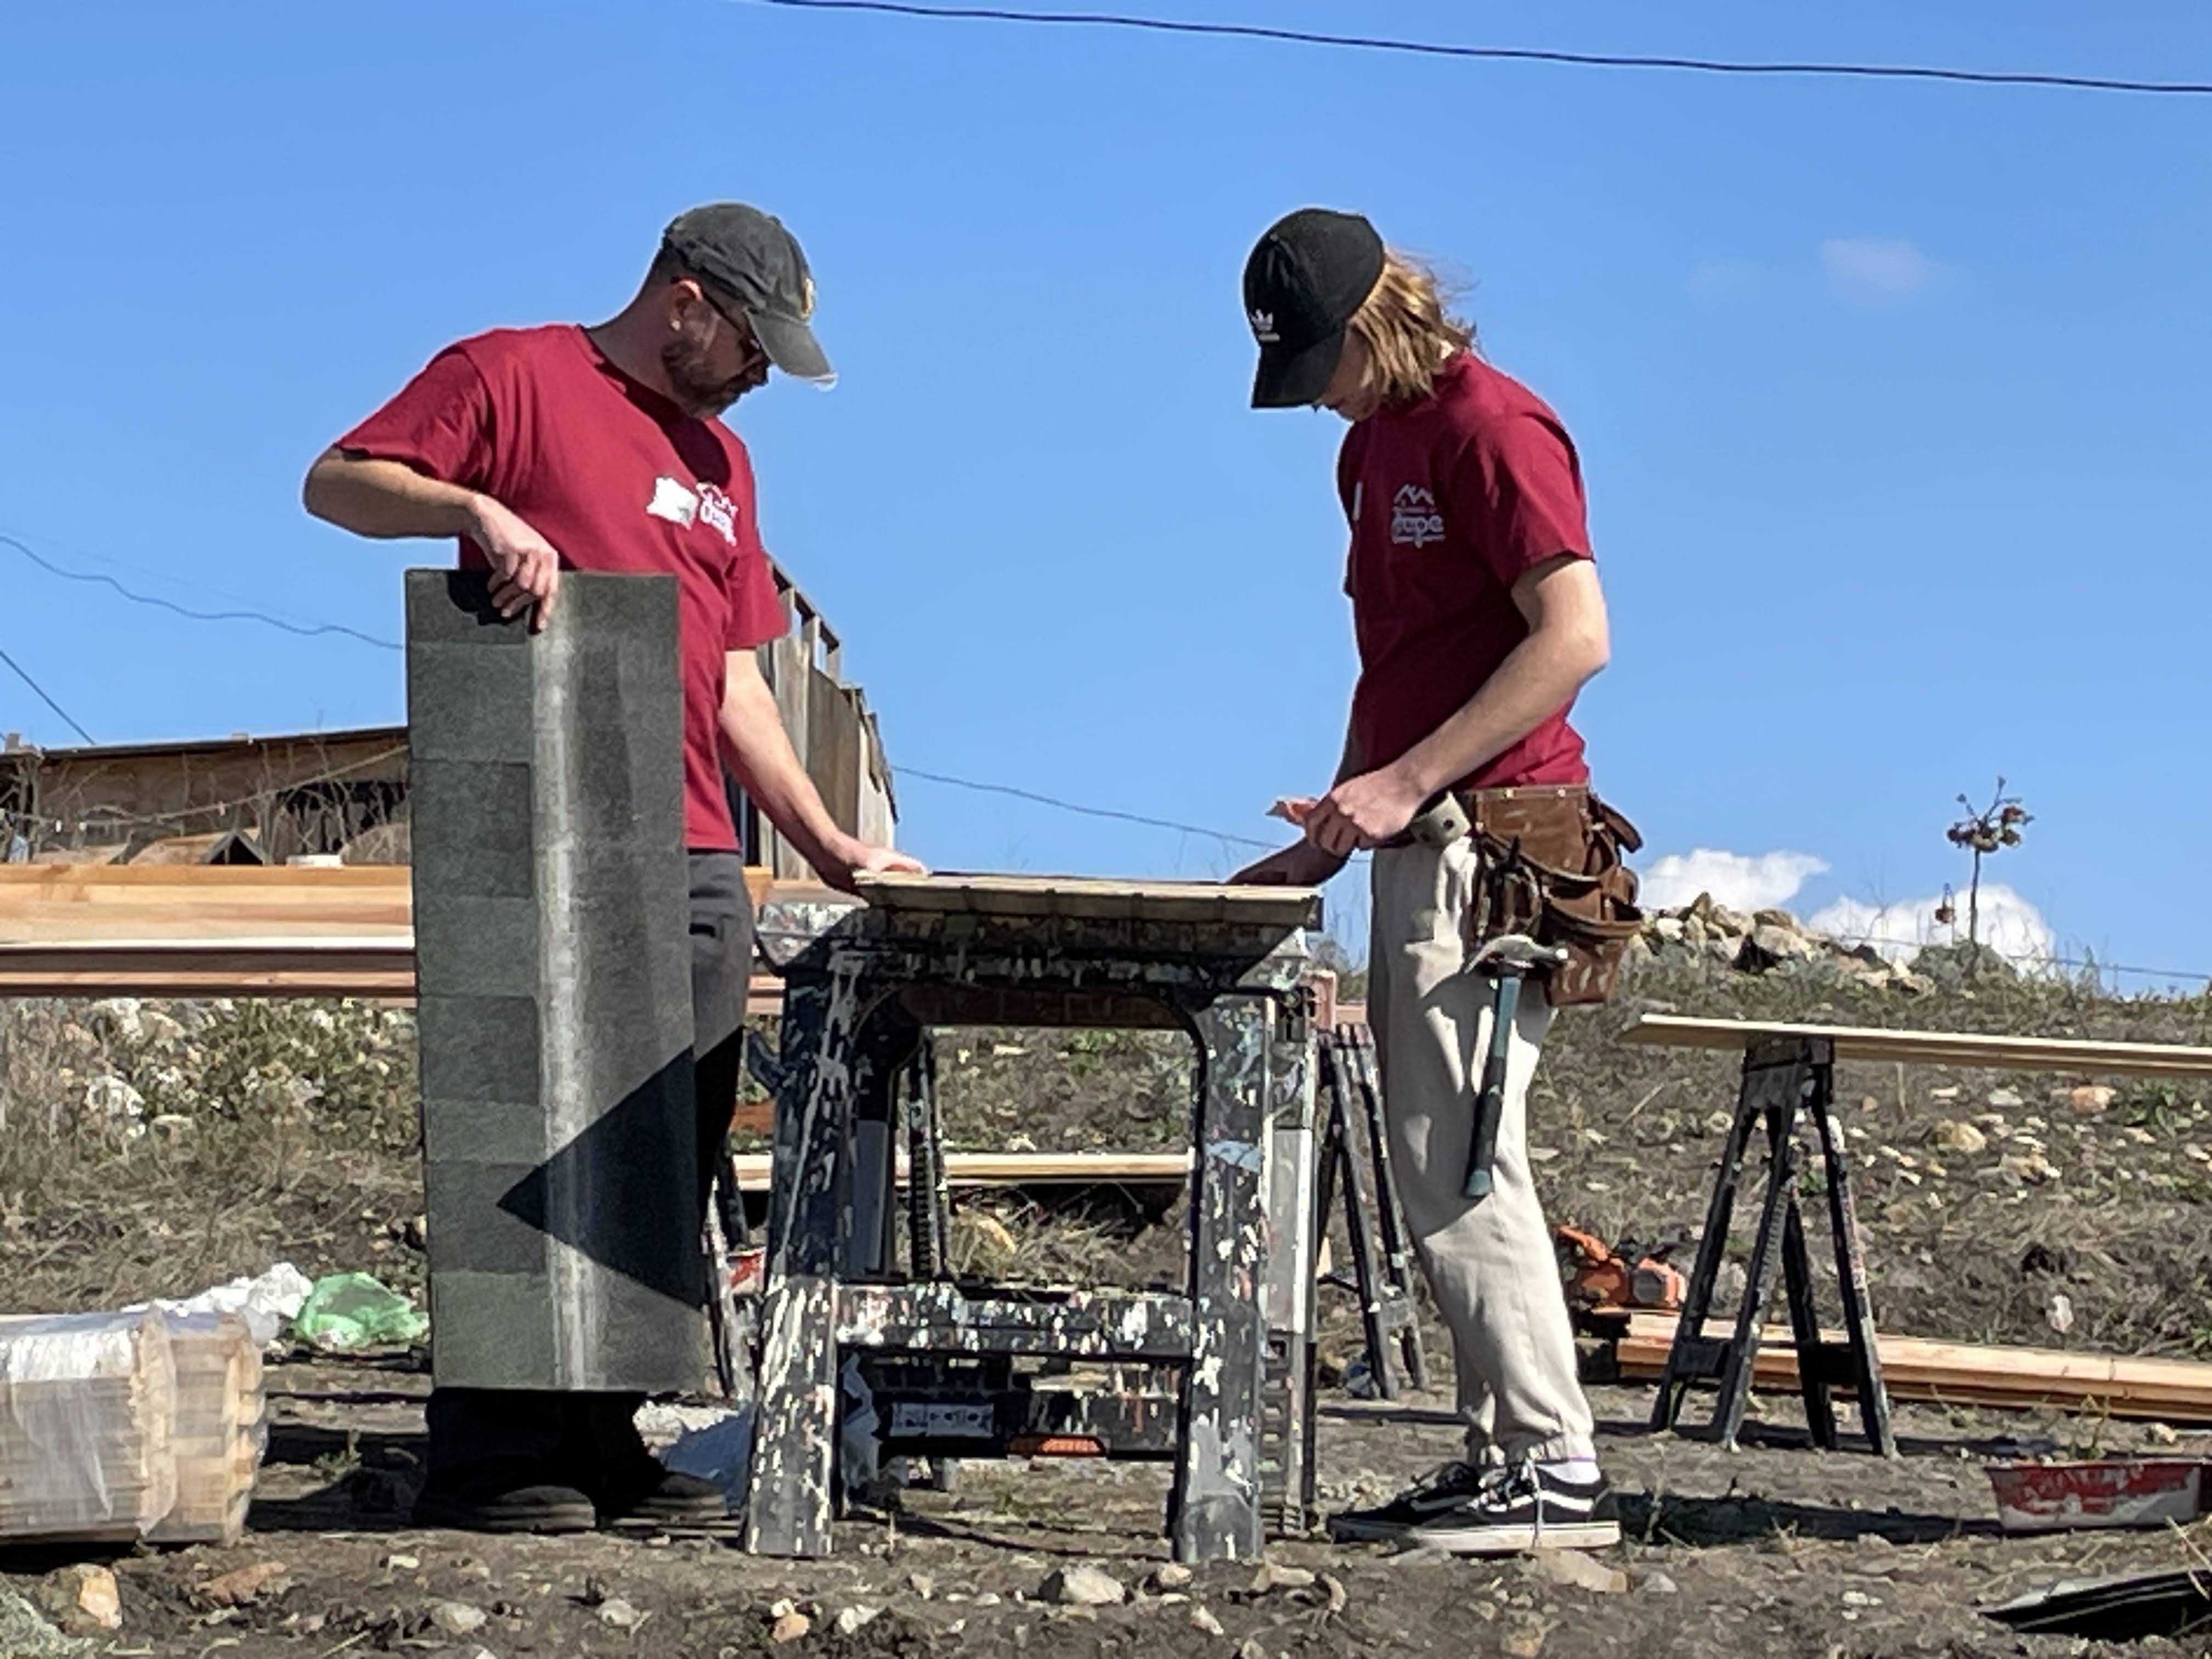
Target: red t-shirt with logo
{"type": "Point", "coordinates": [618, 478]}
{"type": "Point", "coordinates": [1451, 500]}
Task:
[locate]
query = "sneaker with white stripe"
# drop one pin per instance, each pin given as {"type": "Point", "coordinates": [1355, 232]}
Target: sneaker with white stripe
{"type": "Point", "coordinates": [1491, 1511]}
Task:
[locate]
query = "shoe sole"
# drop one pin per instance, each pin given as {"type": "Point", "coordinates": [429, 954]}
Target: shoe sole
{"type": "Point", "coordinates": [566, 1518]}
{"type": "Point", "coordinates": [1516, 1540]}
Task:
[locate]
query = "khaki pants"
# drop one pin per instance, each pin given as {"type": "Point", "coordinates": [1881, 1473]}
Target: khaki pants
{"type": "Point", "coordinates": [1490, 1265]}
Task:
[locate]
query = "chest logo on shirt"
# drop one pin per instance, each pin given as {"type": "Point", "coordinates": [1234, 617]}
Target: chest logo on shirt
{"type": "Point", "coordinates": [1414, 520]}
{"type": "Point", "coordinates": [681, 505]}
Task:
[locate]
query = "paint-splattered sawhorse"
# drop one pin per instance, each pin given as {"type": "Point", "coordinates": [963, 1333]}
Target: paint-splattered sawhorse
{"type": "Point", "coordinates": [1218, 1378]}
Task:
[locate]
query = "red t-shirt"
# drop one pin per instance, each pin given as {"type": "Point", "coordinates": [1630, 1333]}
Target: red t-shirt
{"type": "Point", "coordinates": [618, 479]}
{"type": "Point", "coordinates": [1451, 499]}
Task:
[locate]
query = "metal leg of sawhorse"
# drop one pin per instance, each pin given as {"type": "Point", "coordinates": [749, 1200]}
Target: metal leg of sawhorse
{"type": "Point", "coordinates": [1786, 1081]}
{"type": "Point", "coordinates": [845, 1036]}
{"type": "Point", "coordinates": [1355, 1161]}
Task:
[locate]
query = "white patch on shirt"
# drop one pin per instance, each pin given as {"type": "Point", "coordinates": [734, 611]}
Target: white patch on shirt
{"type": "Point", "coordinates": [672, 501]}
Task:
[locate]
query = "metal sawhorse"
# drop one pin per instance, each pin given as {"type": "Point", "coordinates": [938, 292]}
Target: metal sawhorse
{"type": "Point", "coordinates": [862, 984]}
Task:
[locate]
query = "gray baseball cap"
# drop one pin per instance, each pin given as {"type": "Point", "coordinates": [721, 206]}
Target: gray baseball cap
{"type": "Point", "coordinates": [751, 253]}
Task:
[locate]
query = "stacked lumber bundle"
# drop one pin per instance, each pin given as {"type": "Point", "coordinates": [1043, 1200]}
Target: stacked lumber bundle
{"type": "Point", "coordinates": [120, 1426]}
{"type": "Point", "coordinates": [1960, 1373]}
{"type": "Point", "coordinates": [191, 930]}
{"type": "Point", "coordinates": [220, 1429]}
{"type": "Point", "coordinates": [88, 1405]}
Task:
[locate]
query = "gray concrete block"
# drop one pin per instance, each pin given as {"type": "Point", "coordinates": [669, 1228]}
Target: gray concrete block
{"type": "Point", "coordinates": [510, 1131]}
{"type": "Point", "coordinates": [466, 946]}
{"type": "Point", "coordinates": [495, 1330]}
{"type": "Point", "coordinates": [483, 699]}
{"type": "Point", "coordinates": [478, 1048]}
{"type": "Point", "coordinates": [473, 1218]}
{"type": "Point", "coordinates": [480, 823]}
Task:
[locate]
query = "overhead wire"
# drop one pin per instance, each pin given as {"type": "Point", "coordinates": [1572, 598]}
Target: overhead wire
{"type": "Point", "coordinates": [99, 579]}
{"type": "Point", "coordinates": [47, 697]}
{"type": "Point", "coordinates": [1502, 54]}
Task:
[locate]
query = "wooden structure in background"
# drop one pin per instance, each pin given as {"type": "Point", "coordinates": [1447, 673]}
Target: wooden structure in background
{"type": "Point", "coordinates": [345, 793]}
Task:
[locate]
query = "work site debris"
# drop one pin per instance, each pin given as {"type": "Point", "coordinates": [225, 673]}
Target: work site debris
{"type": "Point", "coordinates": [220, 1430]}
{"type": "Point", "coordinates": [266, 1302]}
{"type": "Point", "coordinates": [1574, 1567]}
{"type": "Point", "coordinates": [2110, 1491]}
{"type": "Point", "coordinates": [1084, 1586]}
{"type": "Point", "coordinates": [349, 1313]}
{"type": "Point", "coordinates": [25, 1634]}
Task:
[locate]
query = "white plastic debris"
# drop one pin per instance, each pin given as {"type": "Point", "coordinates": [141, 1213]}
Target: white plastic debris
{"type": "Point", "coordinates": [266, 1302]}
{"type": "Point", "coordinates": [714, 1443]}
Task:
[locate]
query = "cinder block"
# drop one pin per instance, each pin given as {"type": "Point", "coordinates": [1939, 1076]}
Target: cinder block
{"type": "Point", "coordinates": [478, 1048]}
{"type": "Point", "coordinates": [495, 1330]}
{"type": "Point", "coordinates": [469, 946]}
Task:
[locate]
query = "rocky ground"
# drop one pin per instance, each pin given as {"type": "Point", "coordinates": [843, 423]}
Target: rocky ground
{"type": "Point", "coordinates": [153, 1150]}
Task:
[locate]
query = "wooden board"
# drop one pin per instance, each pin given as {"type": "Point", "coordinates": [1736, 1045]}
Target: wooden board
{"type": "Point", "coordinates": [1962, 1373]}
{"type": "Point", "coordinates": [1025, 1170]}
{"type": "Point", "coordinates": [1090, 898]}
{"type": "Point", "coordinates": [1934, 1047]}
{"type": "Point", "coordinates": [77, 904]}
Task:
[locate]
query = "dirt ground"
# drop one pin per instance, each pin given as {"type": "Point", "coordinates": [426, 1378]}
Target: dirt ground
{"type": "Point", "coordinates": [1773, 1549]}
{"type": "Point", "coordinates": [247, 1134]}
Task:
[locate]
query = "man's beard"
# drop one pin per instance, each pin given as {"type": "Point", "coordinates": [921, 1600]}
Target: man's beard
{"type": "Point", "coordinates": [696, 392]}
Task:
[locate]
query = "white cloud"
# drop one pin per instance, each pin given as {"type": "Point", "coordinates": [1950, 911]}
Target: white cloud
{"type": "Point", "coordinates": [1758, 881]}
{"type": "Point", "coordinates": [1868, 272]}
{"type": "Point", "coordinates": [2009, 924]}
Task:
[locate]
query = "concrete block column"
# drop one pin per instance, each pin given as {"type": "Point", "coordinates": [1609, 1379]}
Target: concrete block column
{"type": "Point", "coordinates": [553, 966]}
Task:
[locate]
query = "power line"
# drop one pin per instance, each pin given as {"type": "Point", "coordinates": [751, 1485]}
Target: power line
{"type": "Point", "coordinates": [304, 630]}
{"type": "Point", "coordinates": [69, 719]}
{"type": "Point", "coordinates": [1075, 806]}
{"type": "Point", "coordinates": [1502, 54]}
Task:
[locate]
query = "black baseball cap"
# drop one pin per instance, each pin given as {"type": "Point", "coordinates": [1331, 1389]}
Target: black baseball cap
{"type": "Point", "coordinates": [1309, 273]}
{"type": "Point", "coordinates": [751, 253]}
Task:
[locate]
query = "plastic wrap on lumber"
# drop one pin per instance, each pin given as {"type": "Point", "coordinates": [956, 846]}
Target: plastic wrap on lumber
{"type": "Point", "coordinates": [220, 1429]}
{"type": "Point", "coordinates": [1962, 1373]}
{"type": "Point", "coordinates": [86, 1404]}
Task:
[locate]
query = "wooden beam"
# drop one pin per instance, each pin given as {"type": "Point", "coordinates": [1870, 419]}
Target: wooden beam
{"type": "Point", "coordinates": [1024, 1170]}
{"type": "Point", "coordinates": [1962, 1373]}
{"type": "Point", "coordinates": [1933, 1047]}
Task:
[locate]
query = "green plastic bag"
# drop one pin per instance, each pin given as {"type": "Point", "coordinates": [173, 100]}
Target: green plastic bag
{"type": "Point", "coordinates": [346, 1312]}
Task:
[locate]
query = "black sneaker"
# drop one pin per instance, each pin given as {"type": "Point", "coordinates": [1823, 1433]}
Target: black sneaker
{"type": "Point", "coordinates": [1490, 1512]}
{"type": "Point", "coordinates": [502, 1495]}
{"type": "Point", "coordinates": [643, 1491]}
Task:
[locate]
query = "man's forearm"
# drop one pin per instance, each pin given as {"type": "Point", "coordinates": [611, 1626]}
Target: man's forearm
{"type": "Point", "coordinates": [387, 499]}
{"type": "Point", "coordinates": [768, 770]}
{"type": "Point", "coordinates": [1539, 677]}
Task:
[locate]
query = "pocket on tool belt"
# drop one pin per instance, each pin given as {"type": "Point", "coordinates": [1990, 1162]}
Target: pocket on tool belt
{"type": "Point", "coordinates": [1558, 852]}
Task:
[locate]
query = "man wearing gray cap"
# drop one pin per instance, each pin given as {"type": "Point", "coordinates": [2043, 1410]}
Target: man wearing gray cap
{"type": "Point", "coordinates": [600, 449]}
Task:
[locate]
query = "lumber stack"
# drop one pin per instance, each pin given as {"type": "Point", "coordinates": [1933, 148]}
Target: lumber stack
{"type": "Point", "coordinates": [1961, 1373]}
{"type": "Point", "coordinates": [88, 1404]}
{"type": "Point", "coordinates": [221, 931]}
{"type": "Point", "coordinates": [220, 1429]}
{"type": "Point", "coordinates": [118, 1427]}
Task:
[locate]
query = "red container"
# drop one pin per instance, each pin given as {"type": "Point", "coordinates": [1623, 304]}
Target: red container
{"type": "Point", "coordinates": [2106, 1491]}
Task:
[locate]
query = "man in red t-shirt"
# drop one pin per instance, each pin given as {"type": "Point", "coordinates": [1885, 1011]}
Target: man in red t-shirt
{"type": "Point", "coordinates": [600, 449]}
{"type": "Point", "coordinates": [1478, 616]}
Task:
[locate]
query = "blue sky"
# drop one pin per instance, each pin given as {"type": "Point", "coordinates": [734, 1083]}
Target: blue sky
{"type": "Point", "coordinates": [1890, 397]}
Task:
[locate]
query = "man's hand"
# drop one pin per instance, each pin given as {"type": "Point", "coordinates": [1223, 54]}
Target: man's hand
{"type": "Point", "coordinates": [1300, 865]}
{"type": "Point", "coordinates": [851, 857]}
{"type": "Point", "coordinates": [525, 568]}
{"type": "Point", "coordinates": [1365, 812]}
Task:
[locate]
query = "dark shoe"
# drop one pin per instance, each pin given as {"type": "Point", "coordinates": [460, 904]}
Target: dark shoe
{"type": "Point", "coordinates": [1491, 1511]}
{"type": "Point", "coordinates": [645, 1492]}
{"type": "Point", "coordinates": [507, 1495]}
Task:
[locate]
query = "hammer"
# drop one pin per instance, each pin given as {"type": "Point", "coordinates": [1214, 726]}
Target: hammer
{"type": "Point", "coordinates": [1506, 961]}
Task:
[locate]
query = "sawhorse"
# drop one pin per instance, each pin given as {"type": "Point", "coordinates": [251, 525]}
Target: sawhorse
{"type": "Point", "coordinates": [1786, 1080]}
{"type": "Point", "coordinates": [1355, 1160]}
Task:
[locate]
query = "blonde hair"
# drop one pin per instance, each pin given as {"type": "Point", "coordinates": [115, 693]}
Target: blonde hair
{"type": "Point", "coordinates": [1408, 330]}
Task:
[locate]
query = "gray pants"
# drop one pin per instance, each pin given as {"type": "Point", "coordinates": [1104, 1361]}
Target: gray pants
{"type": "Point", "coordinates": [1490, 1265]}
